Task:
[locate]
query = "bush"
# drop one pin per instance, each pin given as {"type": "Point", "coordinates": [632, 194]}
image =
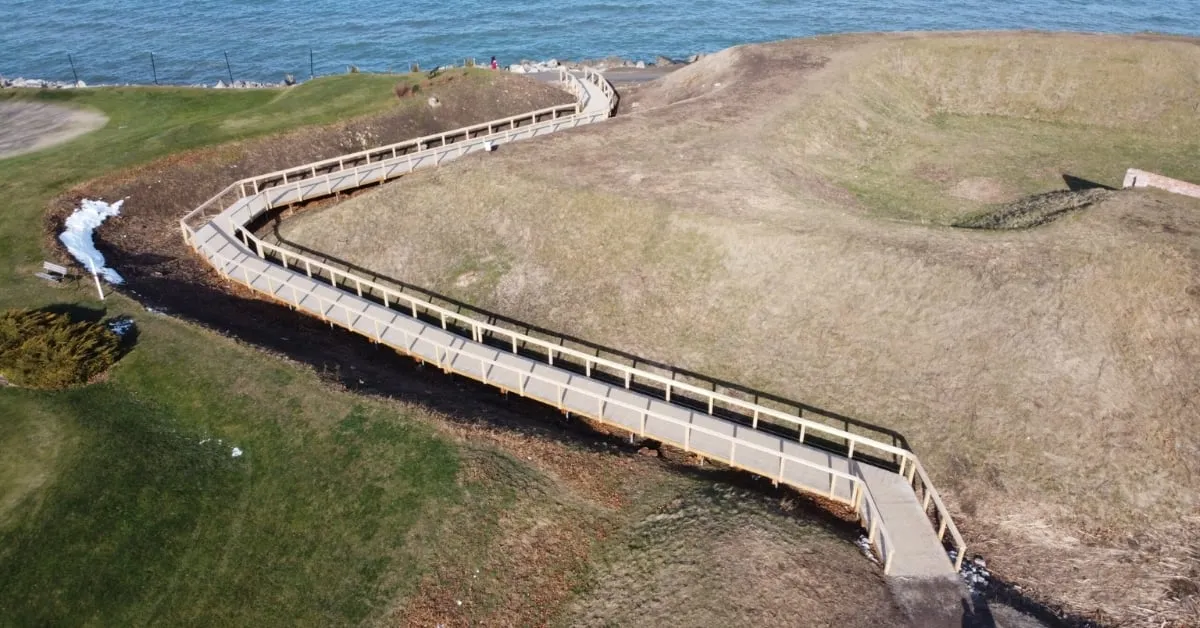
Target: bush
{"type": "Point", "coordinates": [40, 349]}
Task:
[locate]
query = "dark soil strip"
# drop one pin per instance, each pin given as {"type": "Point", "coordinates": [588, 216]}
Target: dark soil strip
{"type": "Point", "coordinates": [1036, 210]}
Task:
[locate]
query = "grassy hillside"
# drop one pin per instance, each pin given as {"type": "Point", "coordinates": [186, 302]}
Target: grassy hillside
{"type": "Point", "coordinates": [937, 129]}
{"type": "Point", "coordinates": [122, 503]}
{"type": "Point", "coordinates": [145, 123]}
{"type": "Point", "coordinates": [758, 217]}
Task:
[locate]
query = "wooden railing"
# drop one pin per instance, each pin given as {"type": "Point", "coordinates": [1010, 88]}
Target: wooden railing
{"type": "Point", "coordinates": [390, 161]}
{"type": "Point", "coordinates": [755, 398]}
{"type": "Point", "coordinates": [448, 354]}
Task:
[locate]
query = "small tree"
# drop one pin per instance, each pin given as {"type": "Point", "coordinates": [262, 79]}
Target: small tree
{"type": "Point", "coordinates": [40, 349]}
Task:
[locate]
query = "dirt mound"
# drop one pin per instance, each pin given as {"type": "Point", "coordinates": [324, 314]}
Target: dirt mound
{"type": "Point", "coordinates": [708, 74]}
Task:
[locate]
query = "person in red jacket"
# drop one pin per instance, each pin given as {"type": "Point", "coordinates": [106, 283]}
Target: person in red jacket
{"type": "Point", "coordinates": [495, 65]}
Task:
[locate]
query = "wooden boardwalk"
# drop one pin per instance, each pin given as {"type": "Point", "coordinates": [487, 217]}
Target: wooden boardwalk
{"type": "Point", "coordinates": [894, 507]}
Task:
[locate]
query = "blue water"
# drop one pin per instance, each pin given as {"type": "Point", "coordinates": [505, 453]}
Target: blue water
{"type": "Point", "coordinates": [111, 40]}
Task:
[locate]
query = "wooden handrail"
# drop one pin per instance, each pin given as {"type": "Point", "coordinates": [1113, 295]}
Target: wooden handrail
{"type": "Point", "coordinates": [443, 352]}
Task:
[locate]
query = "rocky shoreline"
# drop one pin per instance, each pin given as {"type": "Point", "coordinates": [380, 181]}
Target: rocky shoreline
{"type": "Point", "coordinates": [525, 66]}
{"type": "Point", "coordinates": [607, 63]}
{"type": "Point", "coordinates": [29, 83]}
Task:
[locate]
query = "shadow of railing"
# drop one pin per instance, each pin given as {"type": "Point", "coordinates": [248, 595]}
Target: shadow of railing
{"type": "Point", "coordinates": [805, 411]}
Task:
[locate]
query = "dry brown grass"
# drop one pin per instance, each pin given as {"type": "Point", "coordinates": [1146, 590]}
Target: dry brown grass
{"type": "Point", "coordinates": [567, 534]}
{"type": "Point", "coordinates": [1047, 377]}
{"type": "Point", "coordinates": [718, 557]}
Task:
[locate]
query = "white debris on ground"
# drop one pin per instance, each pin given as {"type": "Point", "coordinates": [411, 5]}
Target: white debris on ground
{"type": "Point", "coordinates": [121, 325]}
{"type": "Point", "coordinates": [864, 544]}
{"type": "Point", "coordinates": [974, 572]}
{"type": "Point", "coordinates": [77, 236]}
{"type": "Point", "coordinates": [235, 452]}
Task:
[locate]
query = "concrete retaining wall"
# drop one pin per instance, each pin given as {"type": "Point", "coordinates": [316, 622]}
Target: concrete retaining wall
{"type": "Point", "coordinates": [1135, 178]}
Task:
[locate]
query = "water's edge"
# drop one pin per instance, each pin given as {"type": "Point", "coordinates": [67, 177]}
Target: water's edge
{"type": "Point", "coordinates": [201, 42]}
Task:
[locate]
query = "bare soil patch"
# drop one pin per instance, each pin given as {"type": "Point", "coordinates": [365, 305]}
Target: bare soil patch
{"type": "Point", "coordinates": [26, 127]}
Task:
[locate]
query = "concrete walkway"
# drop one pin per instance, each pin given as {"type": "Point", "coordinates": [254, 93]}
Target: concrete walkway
{"type": "Point", "coordinates": [895, 520]}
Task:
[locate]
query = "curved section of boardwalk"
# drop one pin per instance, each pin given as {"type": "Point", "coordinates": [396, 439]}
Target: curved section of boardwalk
{"type": "Point", "coordinates": [904, 518]}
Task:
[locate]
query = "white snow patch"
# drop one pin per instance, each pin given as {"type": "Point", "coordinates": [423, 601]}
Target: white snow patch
{"type": "Point", "coordinates": [121, 325]}
{"type": "Point", "coordinates": [237, 452]}
{"type": "Point", "coordinates": [77, 236]}
{"type": "Point", "coordinates": [974, 572]}
{"type": "Point", "coordinates": [864, 545]}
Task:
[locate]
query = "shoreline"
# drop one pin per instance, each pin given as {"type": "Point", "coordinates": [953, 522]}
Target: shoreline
{"type": "Point", "coordinates": [524, 66]}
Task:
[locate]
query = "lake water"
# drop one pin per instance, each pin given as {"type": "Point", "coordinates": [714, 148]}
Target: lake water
{"type": "Point", "coordinates": [111, 40]}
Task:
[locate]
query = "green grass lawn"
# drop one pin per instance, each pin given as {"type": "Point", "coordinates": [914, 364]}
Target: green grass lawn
{"type": "Point", "coordinates": [121, 503]}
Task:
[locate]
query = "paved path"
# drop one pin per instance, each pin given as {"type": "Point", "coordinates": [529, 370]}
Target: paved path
{"type": "Point", "coordinates": [900, 531]}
